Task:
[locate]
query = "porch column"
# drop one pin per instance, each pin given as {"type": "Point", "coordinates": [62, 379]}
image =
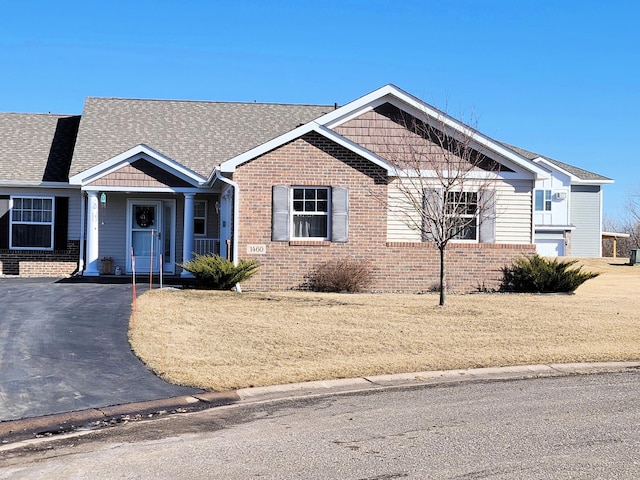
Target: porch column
{"type": "Point", "coordinates": [91, 269]}
{"type": "Point", "coordinates": [187, 241]}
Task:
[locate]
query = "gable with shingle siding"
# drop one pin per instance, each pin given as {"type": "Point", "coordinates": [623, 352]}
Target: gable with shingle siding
{"type": "Point", "coordinates": [199, 135]}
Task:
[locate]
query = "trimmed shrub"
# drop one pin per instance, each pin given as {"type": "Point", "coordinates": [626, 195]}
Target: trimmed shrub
{"type": "Point", "coordinates": [536, 274]}
{"type": "Point", "coordinates": [341, 275]}
{"type": "Point", "coordinates": [218, 273]}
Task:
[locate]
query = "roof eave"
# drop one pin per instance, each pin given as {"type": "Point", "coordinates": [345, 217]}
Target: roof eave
{"type": "Point", "coordinates": [575, 180]}
{"type": "Point", "coordinates": [390, 92]}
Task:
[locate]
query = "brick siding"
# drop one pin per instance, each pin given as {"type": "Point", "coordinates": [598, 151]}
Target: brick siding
{"type": "Point", "coordinates": [314, 160]}
{"type": "Point", "coordinates": [40, 263]}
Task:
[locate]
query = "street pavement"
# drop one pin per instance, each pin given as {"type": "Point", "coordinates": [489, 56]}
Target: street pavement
{"type": "Point", "coordinates": [460, 427]}
{"type": "Point", "coordinates": [64, 348]}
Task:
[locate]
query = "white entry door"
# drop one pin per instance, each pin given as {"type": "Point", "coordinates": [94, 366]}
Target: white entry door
{"type": "Point", "coordinates": [144, 235]}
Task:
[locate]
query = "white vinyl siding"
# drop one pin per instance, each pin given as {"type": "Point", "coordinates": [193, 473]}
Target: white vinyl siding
{"type": "Point", "coordinates": [585, 216]}
{"type": "Point", "coordinates": [513, 214]}
{"type": "Point", "coordinates": [112, 229]}
{"type": "Point", "coordinates": [74, 219]}
{"type": "Point", "coordinates": [398, 217]}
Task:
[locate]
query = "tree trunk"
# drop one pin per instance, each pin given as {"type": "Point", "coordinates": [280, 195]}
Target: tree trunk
{"type": "Point", "coordinates": [443, 277]}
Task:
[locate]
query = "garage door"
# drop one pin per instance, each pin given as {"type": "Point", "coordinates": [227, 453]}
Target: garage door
{"type": "Point", "coordinates": [550, 247]}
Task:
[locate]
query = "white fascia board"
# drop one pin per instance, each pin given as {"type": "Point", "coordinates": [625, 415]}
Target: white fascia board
{"type": "Point", "coordinates": [481, 175]}
{"type": "Point", "coordinates": [593, 182]}
{"type": "Point", "coordinates": [413, 173]}
{"type": "Point", "coordinates": [230, 165]}
{"type": "Point", "coordinates": [141, 151]}
{"type": "Point", "coordinates": [356, 107]}
{"type": "Point", "coordinates": [574, 180]}
{"type": "Point", "coordinates": [103, 188]}
{"type": "Point", "coordinates": [420, 109]}
{"type": "Point", "coordinates": [31, 184]}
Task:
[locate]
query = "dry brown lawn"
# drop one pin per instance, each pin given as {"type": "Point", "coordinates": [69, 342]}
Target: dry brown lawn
{"type": "Point", "coordinates": [224, 340]}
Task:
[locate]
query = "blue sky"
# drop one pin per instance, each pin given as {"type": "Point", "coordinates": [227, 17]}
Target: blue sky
{"type": "Point", "coordinates": [560, 78]}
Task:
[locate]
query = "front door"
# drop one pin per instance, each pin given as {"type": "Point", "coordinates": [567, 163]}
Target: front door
{"type": "Point", "coordinates": [145, 234]}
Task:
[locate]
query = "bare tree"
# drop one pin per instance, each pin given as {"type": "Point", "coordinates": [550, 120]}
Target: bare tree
{"type": "Point", "coordinates": [443, 185]}
{"type": "Point", "coordinates": [630, 224]}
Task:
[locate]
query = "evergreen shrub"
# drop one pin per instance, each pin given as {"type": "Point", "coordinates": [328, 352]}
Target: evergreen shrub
{"type": "Point", "coordinates": [217, 273]}
{"type": "Point", "coordinates": [536, 274]}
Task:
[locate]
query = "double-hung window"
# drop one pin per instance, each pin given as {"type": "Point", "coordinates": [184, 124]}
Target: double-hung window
{"type": "Point", "coordinates": [32, 223]}
{"type": "Point", "coordinates": [543, 200]}
{"type": "Point", "coordinates": [461, 209]}
{"type": "Point", "coordinates": [310, 213]}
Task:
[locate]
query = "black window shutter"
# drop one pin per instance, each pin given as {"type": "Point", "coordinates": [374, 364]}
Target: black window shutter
{"type": "Point", "coordinates": [4, 221]}
{"type": "Point", "coordinates": [61, 223]}
{"type": "Point", "coordinates": [339, 214]}
{"type": "Point", "coordinates": [280, 213]}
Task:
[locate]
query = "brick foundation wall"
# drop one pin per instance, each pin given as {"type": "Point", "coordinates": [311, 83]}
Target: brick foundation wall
{"type": "Point", "coordinates": [40, 263]}
{"type": "Point", "coordinates": [315, 161]}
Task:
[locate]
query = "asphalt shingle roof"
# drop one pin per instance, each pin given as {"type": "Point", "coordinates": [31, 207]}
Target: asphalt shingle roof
{"type": "Point", "coordinates": [199, 135]}
{"type": "Point", "coordinates": [36, 147]}
{"type": "Point", "coordinates": [578, 172]}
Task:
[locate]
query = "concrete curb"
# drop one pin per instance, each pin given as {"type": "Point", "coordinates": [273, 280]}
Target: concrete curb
{"type": "Point", "coordinates": [95, 418]}
{"type": "Point", "coordinates": [91, 419]}
{"type": "Point", "coordinates": [403, 380]}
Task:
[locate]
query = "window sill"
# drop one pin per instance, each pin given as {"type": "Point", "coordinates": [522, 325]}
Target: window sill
{"type": "Point", "coordinates": [309, 243]}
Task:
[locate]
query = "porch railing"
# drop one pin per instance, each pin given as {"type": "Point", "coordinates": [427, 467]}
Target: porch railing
{"type": "Point", "coordinates": [204, 246]}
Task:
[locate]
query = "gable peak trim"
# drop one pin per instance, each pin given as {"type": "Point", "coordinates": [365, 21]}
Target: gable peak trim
{"type": "Point", "coordinates": [130, 156]}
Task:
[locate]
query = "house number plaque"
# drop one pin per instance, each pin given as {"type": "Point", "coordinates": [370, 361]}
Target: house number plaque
{"type": "Point", "coordinates": [257, 249]}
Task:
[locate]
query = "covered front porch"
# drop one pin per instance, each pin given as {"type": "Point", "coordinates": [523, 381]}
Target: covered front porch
{"type": "Point", "coordinates": [143, 213]}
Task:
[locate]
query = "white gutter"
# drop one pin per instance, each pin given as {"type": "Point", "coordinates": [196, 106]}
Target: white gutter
{"type": "Point", "coordinates": [236, 211]}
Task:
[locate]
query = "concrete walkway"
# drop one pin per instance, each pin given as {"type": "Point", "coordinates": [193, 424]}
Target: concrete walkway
{"type": "Point", "coordinates": [64, 348]}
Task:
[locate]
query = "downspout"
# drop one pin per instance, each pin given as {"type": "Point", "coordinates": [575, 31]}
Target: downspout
{"type": "Point", "coordinates": [82, 224]}
{"type": "Point", "coordinates": [236, 210]}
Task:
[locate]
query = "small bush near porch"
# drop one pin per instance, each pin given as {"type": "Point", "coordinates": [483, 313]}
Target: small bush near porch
{"type": "Point", "coordinates": [225, 340]}
{"type": "Point", "coordinates": [217, 273]}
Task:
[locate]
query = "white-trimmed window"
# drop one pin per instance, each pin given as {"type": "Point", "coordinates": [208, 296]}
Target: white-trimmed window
{"type": "Point", "coordinates": [543, 200]}
{"type": "Point", "coordinates": [200, 217]}
{"type": "Point", "coordinates": [462, 208]}
{"type": "Point", "coordinates": [32, 223]}
{"type": "Point", "coordinates": [310, 213]}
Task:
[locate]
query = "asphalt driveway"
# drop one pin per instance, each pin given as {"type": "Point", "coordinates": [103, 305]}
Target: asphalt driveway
{"type": "Point", "coordinates": [64, 347]}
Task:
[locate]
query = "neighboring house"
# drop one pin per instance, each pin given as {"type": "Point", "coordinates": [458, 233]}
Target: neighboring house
{"type": "Point", "coordinates": [290, 185]}
{"type": "Point", "coordinates": [568, 209]}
